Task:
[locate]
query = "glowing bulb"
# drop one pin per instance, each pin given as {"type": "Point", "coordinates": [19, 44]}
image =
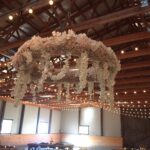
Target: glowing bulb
{"type": "Point", "coordinates": [136, 49]}
{"type": "Point", "coordinates": [125, 92]}
{"type": "Point", "coordinates": [30, 11]}
{"type": "Point", "coordinates": [10, 17]}
{"type": "Point", "coordinates": [135, 92]}
{"type": "Point", "coordinates": [122, 51]}
{"type": "Point", "coordinates": [144, 91]}
{"type": "Point", "coordinates": [51, 2]}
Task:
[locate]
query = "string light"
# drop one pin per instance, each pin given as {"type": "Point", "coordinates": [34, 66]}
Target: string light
{"type": "Point", "coordinates": [136, 49]}
{"type": "Point", "coordinates": [51, 2]}
{"type": "Point", "coordinates": [30, 11]}
{"type": "Point", "coordinates": [144, 91]}
{"type": "Point", "coordinates": [135, 92]}
{"type": "Point", "coordinates": [125, 92]}
{"type": "Point", "coordinates": [122, 51]}
{"type": "Point", "coordinates": [10, 17]}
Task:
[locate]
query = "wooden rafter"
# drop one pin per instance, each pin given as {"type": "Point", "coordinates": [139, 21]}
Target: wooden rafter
{"type": "Point", "coordinates": [132, 54]}
{"type": "Point", "coordinates": [109, 42]}
{"type": "Point", "coordinates": [126, 13]}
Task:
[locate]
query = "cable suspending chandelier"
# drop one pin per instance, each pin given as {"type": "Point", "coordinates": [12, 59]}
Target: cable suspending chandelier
{"type": "Point", "coordinates": [36, 64]}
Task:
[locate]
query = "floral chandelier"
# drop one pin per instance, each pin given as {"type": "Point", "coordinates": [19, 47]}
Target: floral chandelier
{"type": "Point", "coordinates": [36, 64]}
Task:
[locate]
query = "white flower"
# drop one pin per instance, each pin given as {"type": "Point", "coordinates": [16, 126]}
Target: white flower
{"type": "Point", "coordinates": [32, 61]}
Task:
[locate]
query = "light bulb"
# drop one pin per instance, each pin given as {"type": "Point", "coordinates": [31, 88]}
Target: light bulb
{"type": "Point", "coordinates": [51, 2]}
{"type": "Point", "coordinates": [30, 11]}
{"type": "Point", "coordinates": [136, 48]}
{"type": "Point", "coordinates": [134, 92]}
{"type": "Point", "coordinates": [10, 17]}
{"type": "Point", "coordinates": [125, 92]}
{"type": "Point", "coordinates": [122, 52]}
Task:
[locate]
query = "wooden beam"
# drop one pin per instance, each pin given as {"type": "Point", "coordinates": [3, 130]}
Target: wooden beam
{"type": "Point", "coordinates": [119, 15]}
{"type": "Point", "coordinates": [132, 54]}
{"type": "Point", "coordinates": [21, 119]}
{"type": "Point", "coordinates": [101, 121]}
{"type": "Point", "coordinates": [133, 86]}
{"type": "Point", "coordinates": [34, 5]}
{"type": "Point", "coordinates": [79, 118]}
{"type": "Point", "coordinates": [127, 38]}
{"type": "Point", "coordinates": [38, 118]}
{"type": "Point", "coordinates": [132, 90]}
{"type": "Point", "coordinates": [135, 65]}
{"type": "Point", "coordinates": [2, 111]}
{"type": "Point", "coordinates": [50, 121]}
{"type": "Point", "coordinates": [132, 97]}
{"type": "Point", "coordinates": [133, 80]}
{"type": "Point", "coordinates": [134, 73]}
{"type": "Point", "coordinates": [123, 77]}
{"type": "Point", "coordinates": [108, 42]}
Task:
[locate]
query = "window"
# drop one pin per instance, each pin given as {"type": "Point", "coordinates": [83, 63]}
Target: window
{"type": "Point", "coordinates": [6, 126]}
{"type": "Point", "coordinates": [83, 129]}
{"type": "Point", "coordinates": [43, 127]}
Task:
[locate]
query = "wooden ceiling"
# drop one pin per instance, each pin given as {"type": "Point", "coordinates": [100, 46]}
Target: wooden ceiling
{"type": "Point", "coordinates": [122, 24]}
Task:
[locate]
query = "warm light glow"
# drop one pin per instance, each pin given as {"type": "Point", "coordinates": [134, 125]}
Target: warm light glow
{"type": "Point", "coordinates": [80, 141]}
{"type": "Point", "coordinates": [136, 48]}
{"type": "Point", "coordinates": [30, 11]}
{"type": "Point", "coordinates": [135, 92]}
{"type": "Point", "coordinates": [51, 2]}
{"type": "Point", "coordinates": [125, 92]}
{"type": "Point", "coordinates": [10, 17]}
{"type": "Point", "coordinates": [144, 91]}
{"type": "Point", "coordinates": [122, 51]}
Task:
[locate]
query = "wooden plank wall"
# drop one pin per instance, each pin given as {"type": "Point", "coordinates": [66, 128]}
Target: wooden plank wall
{"type": "Point", "coordinates": [77, 140]}
{"type": "Point", "coordinates": [87, 140]}
{"type": "Point", "coordinates": [24, 139]}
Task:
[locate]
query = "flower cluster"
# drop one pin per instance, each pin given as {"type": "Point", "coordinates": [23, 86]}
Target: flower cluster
{"type": "Point", "coordinates": [34, 65]}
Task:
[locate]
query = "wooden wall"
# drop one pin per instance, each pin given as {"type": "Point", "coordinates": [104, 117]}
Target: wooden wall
{"type": "Point", "coordinates": [89, 141]}
{"type": "Point", "coordinates": [77, 140]}
{"type": "Point", "coordinates": [24, 139]}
